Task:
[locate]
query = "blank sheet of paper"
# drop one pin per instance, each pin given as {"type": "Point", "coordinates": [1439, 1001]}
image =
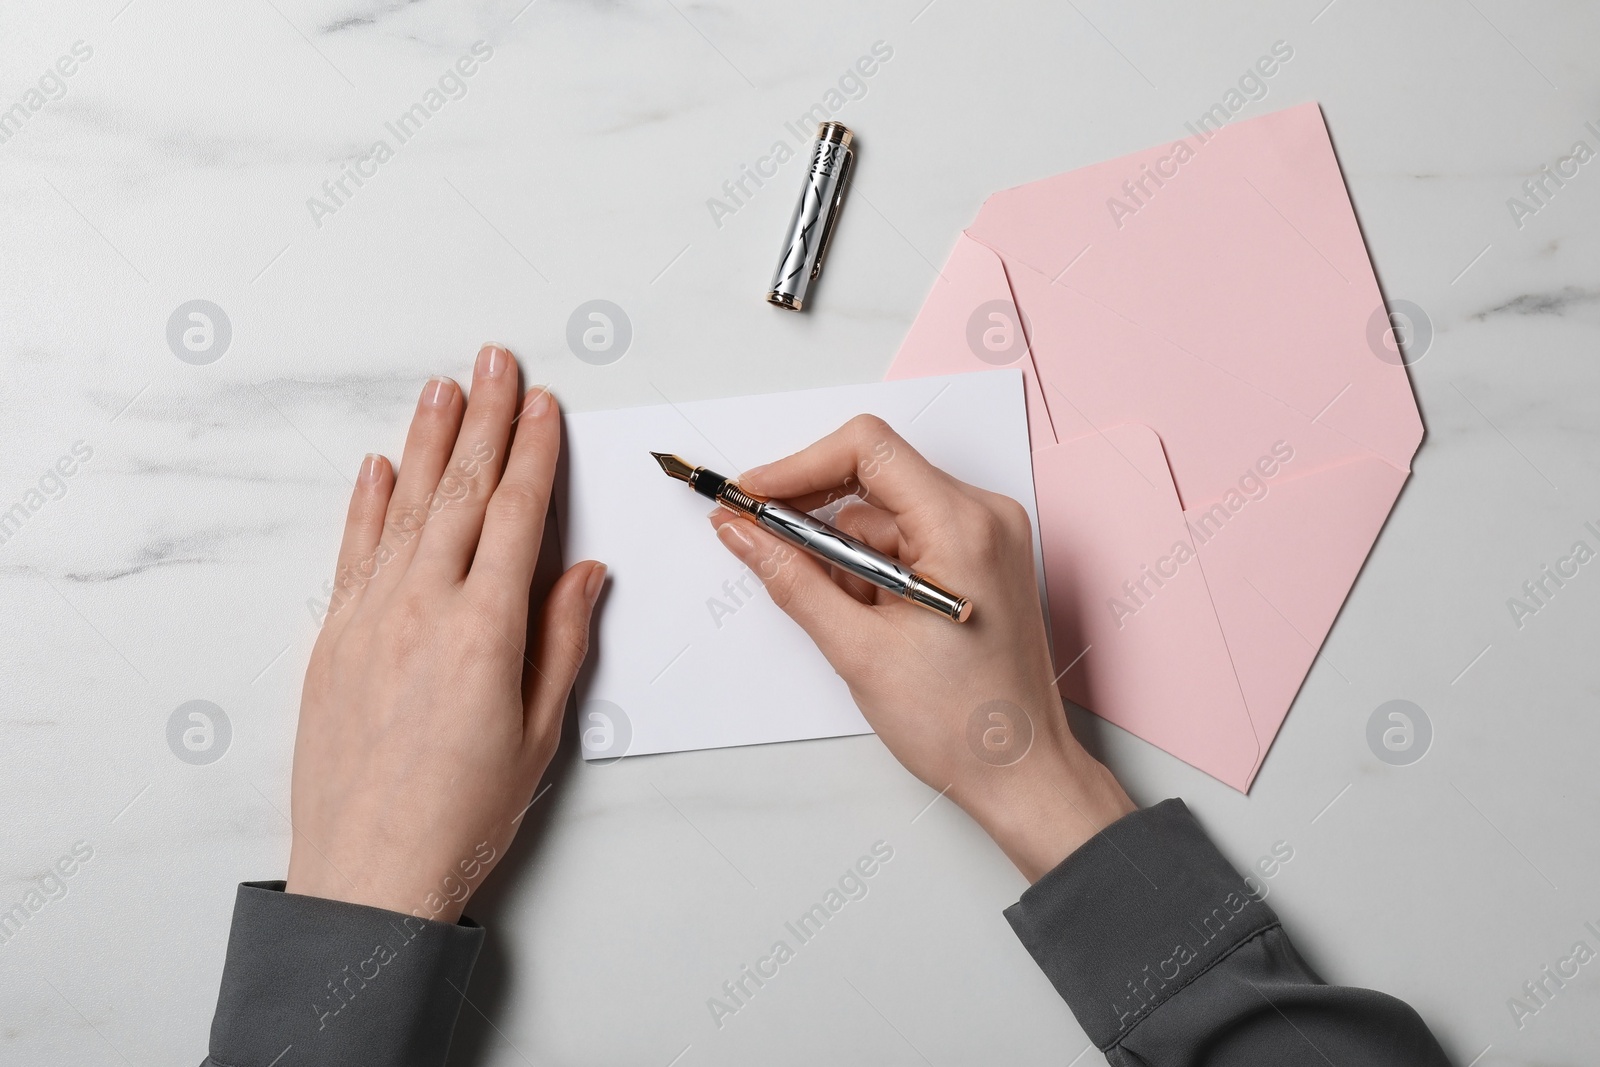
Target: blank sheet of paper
{"type": "Point", "coordinates": [688, 651]}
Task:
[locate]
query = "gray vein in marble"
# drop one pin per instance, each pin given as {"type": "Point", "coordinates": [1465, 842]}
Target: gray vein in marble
{"type": "Point", "coordinates": [1550, 303]}
{"type": "Point", "coordinates": [104, 122]}
{"type": "Point", "coordinates": [113, 574]}
{"type": "Point", "coordinates": [197, 548]}
{"type": "Point", "coordinates": [272, 475]}
{"type": "Point", "coordinates": [378, 396]}
{"type": "Point", "coordinates": [638, 122]}
{"type": "Point", "coordinates": [149, 149]}
{"type": "Point", "coordinates": [154, 555]}
{"type": "Point", "coordinates": [221, 405]}
{"type": "Point", "coordinates": [369, 17]}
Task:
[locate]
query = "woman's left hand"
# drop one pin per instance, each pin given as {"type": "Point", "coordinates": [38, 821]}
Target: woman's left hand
{"type": "Point", "coordinates": [430, 707]}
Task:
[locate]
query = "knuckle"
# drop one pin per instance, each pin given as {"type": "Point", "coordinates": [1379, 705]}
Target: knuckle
{"type": "Point", "coordinates": [544, 728]}
{"type": "Point", "coordinates": [1014, 518]}
{"type": "Point", "coordinates": [870, 436]}
{"type": "Point", "coordinates": [874, 443]}
{"type": "Point", "coordinates": [458, 489]}
{"type": "Point", "coordinates": [867, 427]}
{"type": "Point", "coordinates": [573, 647]}
{"type": "Point", "coordinates": [780, 579]}
{"type": "Point", "coordinates": [516, 503]}
{"type": "Point", "coordinates": [985, 529]}
{"type": "Point", "coordinates": [404, 523]}
{"type": "Point", "coordinates": [857, 520]}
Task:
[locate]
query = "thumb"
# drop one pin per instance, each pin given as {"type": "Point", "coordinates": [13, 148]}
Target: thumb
{"type": "Point", "coordinates": [798, 584]}
{"type": "Point", "coordinates": [562, 643]}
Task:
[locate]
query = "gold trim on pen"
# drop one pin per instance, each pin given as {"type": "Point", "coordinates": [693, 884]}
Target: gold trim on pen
{"type": "Point", "coordinates": [835, 133]}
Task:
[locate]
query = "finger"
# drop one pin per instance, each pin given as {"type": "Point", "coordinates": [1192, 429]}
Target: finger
{"type": "Point", "coordinates": [428, 444]}
{"type": "Point", "coordinates": [864, 452]}
{"type": "Point", "coordinates": [560, 647]}
{"type": "Point", "coordinates": [872, 525]}
{"type": "Point", "coordinates": [455, 520]}
{"type": "Point", "coordinates": [513, 525]}
{"type": "Point", "coordinates": [877, 529]}
{"type": "Point", "coordinates": [363, 527]}
{"type": "Point", "coordinates": [799, 585]}
{"type": "Point", "coordinates": [823, 498]}
{"type": "Point", "coordinates": [851, 489]}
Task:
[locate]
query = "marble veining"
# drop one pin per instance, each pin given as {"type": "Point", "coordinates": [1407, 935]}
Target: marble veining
{"type": "Point", "coordinates": [1560, 302]}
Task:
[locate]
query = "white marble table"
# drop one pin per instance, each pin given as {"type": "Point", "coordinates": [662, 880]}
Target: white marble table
{"type": "Point", "coordinates": [175, 563]}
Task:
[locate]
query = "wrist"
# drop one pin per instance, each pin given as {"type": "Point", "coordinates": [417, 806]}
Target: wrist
{"type": "Point", "coordinates": [1046, 809]}
{"type": "Point", "coordinates": [318, 879]}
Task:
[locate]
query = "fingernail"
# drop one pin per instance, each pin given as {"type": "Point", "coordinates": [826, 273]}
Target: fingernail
{"type": "Point", "coordinates": [597, 578]}
{"type": "Point", "coordinates": [438, 392]}
{"type": "Point", "coordinates": [538, 402]}
{"type": "Point", "coordinates": [733, 535]}
{"type": "Point", "coordinates": [753, 472]}
{"type": "Point", "coordinates": [492, 361]}
{"type": "Point", "coordinates": [369, 469]}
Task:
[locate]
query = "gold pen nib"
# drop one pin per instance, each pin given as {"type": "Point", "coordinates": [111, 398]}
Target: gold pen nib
{"type": "Point", "coordinates": [674, 467]}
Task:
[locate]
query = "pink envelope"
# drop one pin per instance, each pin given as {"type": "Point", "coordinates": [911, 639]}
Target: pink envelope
{"type": "Point", "coordinates": [1219, 418]}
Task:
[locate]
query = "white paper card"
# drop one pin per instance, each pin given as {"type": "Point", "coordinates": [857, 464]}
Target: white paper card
{"type": "Point", "coordinates": [688, 651]}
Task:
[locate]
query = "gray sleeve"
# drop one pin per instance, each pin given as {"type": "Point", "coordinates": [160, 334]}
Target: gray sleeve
{"type": "Point", "coordinates": [317, 983]}
{"type": "Point", "coordinates": [1166, 959]}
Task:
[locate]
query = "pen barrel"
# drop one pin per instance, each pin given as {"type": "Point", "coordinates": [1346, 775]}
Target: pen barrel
{"type": "Point", "coordinates": [810, 228]}
{"type": "Point", "coordinates": [843, 551]}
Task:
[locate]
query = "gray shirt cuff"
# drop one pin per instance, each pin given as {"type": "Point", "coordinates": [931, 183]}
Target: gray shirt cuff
{"type": "Point", "coordinates": [1134, 916]}
{"type": "Point", "coordinates": [311, 982]}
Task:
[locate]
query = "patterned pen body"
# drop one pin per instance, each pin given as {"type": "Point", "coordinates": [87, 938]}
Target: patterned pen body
{"type": "Point", "coordinates": [811, 226]}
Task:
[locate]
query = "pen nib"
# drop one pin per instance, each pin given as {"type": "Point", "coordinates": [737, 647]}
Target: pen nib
{"type": "Point", "coordinates": [673, 466]}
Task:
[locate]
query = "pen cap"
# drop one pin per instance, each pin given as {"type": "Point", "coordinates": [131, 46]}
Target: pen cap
{"type": "Point", "coordinates": [812, 224]}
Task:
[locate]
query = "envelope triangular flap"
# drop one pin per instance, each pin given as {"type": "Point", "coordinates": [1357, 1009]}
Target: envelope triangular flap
{"type": "Point", "coordinates": [968, 323]}
{"type": "Point", "coordinates": [1131, 616]}
{"type": "Point", "coordinates": [1280, 566]}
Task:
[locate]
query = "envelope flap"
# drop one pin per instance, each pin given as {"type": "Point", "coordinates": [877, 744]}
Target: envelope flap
{"type": "Point", "coordinates": [1301, 540]}
{"type": "Point", "coordinates": [1239, 245]}
{"type": "Point", "coordinates": [1280, 557]}
{"type": "Point", "coordinates": [1099, 368]}
{"type": "Point", "coordinates": [970, 322]}
{"type": "Point", "coordinates": [1126, 592]}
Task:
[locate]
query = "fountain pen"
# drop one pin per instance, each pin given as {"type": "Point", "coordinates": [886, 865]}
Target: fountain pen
{"type": "Point", "coordinates": [828, 544]}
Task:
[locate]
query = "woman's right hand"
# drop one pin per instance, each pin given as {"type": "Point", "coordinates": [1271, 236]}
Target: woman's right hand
{"type": "Point", "coordinates": [969, 708]}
